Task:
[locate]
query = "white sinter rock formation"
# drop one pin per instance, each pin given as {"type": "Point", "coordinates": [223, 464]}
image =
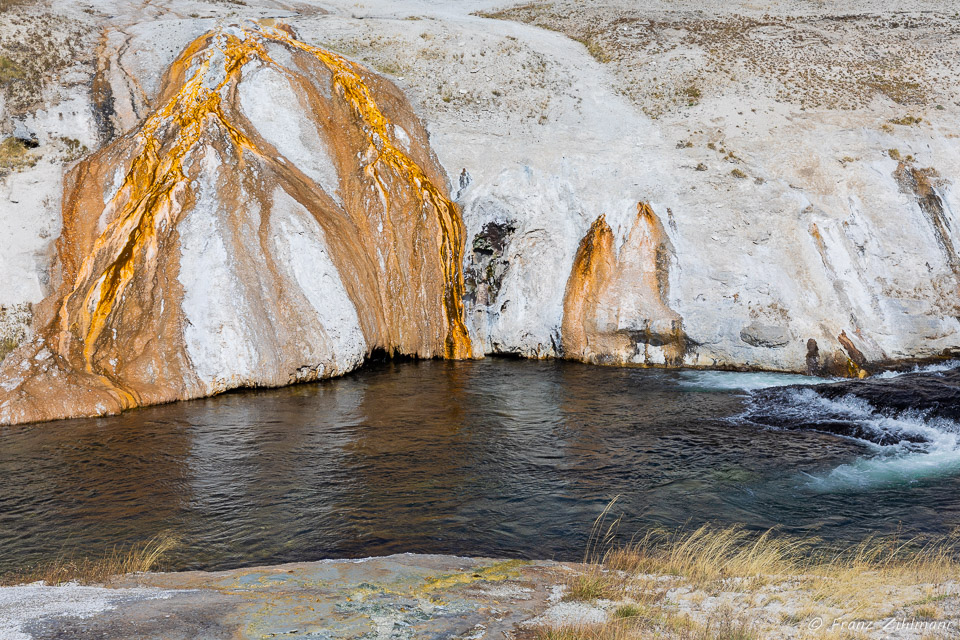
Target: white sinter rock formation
{"type": "Point", "coordinates": [207, 195]}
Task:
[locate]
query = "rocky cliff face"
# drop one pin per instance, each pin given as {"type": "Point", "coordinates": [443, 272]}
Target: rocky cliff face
{"type": "Point", "coordinates": [235, 205]}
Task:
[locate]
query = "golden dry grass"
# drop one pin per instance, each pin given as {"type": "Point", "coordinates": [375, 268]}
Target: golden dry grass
{"type": "Point", "coordinates": [642, 580]}
{"type": "Point", "coordinates": [135, 558]}
{"type": "Point", "coordinates": [593, 583]}
{"type": "Point", "coordinates": [654, 623]}
{"type": "Point", "coordinates": [711, 553]}
{"type": "Point", "coordinates": [707, 554]}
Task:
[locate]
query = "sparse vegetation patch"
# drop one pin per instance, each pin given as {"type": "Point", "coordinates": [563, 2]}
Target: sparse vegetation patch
{"type": "Point", "coordinates": [135, 558]}
{"type": "Point", "coordinates": [794, 57]}
{"type": "Point", "coordinates": [35, 48]}
{"type": "Point", "coordinates": [15, 155]}
{"type": "Point", "coordinates": [728, 583]}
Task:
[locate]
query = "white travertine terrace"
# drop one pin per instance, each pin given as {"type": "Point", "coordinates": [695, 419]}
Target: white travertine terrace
{"type": "Point", "coordinates": [773, 221]}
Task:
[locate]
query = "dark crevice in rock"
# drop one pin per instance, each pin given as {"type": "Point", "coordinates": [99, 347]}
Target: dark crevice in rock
{"type": "Point", "coordinates": [487, 265]}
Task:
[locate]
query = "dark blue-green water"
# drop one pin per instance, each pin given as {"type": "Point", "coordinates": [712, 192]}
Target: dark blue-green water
{"type": "Point", "coordinates": [497, 457]}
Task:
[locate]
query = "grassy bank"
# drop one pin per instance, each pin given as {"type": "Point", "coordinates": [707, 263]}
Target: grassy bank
{"type": "Point", "coordinates": [728, 583]}
{"type": "Point", "coordinates": [706, 583]}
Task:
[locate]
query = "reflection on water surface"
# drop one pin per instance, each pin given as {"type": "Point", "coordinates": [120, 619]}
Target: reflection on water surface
{"type": "Point", "coordinates": [497, 457]}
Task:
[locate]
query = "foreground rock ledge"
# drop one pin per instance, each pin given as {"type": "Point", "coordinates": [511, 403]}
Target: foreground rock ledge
{"type": "Point", "coordinates": [433, 596]}
{"type": "Point", "coordinates": [402, 596]}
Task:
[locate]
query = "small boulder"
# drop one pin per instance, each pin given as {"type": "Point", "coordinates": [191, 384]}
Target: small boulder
{"type": "Point", "coordinates": [757, 334]}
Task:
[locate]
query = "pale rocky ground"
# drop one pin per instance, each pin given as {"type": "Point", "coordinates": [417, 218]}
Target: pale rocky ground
{"type": "Point", "coordinates": [417, 597]}
{"type": "Point", "coordinates": [666, 103]}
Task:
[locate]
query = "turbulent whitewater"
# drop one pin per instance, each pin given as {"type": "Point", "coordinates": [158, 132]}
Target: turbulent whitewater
{"type": "Point", "coordinates": [910, 423]}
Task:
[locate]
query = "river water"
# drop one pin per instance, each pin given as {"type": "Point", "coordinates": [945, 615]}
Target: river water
{"type": "Point", "coordinates": [498, 457]}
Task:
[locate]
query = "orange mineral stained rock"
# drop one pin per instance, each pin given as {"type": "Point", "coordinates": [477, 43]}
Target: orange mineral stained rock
{"type": "Point", "coordinates": [615, 306]}
{"type": "Point", "coordinates": [277, 218]}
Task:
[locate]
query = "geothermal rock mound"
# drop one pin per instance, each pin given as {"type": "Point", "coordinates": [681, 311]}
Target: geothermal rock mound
{"type": "Point", "coordinates": [277, 218]}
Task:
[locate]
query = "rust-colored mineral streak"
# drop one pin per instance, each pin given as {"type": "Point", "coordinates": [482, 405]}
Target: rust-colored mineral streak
{"type": "Point", "coordinates": [113, 335]}
{"type": "Point", "coordinates": [615, 305]}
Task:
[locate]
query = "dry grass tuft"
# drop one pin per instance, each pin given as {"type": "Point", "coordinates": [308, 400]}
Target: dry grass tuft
{"type": "Point", "coordinates": [643, 624]}
{"type": "Point", "coordinates": [9, 4]}
{"type": "Point", "coordinates": [136, 558]}
{"type": "Point", "coordinates": [593, 583]}
{"type": "Point", "coordinates": [629, 610]}
{"type": "Point", "coordinates": [745, 572]}
{"type": "Point", "coordinates": [71, 148]}
{"type": "Point", "coordinates": [708, 554]}
{"type": "Point", "coordinates": [595, 47]}
{"type": "Point", "coordinates": [927, 612]}
{"type": "Point", "coordinates": [9, 70]}
{"type": "Point", "coordinates": [642, 580]}
{"type": "Point", "coordinates": [907, 121]}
